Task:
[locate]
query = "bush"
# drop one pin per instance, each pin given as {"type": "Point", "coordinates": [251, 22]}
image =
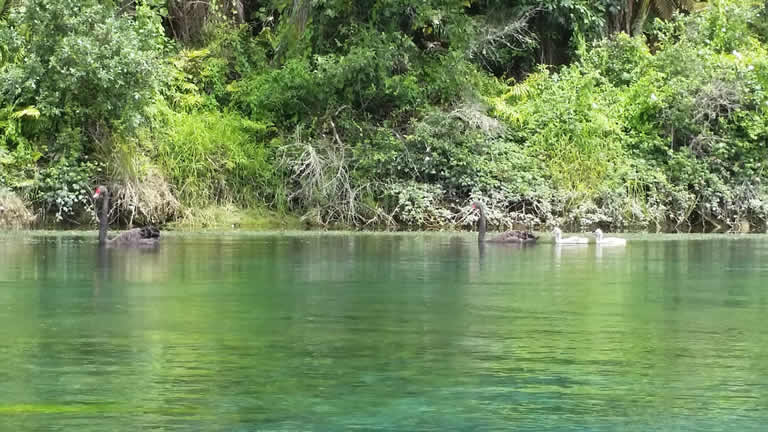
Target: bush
{"type": "Point", "coordinates": [79, 64]}
{"type": "Point", "coordinates": [64, 188]}
{"type": "Point", "coordinates": [621, 59]}
{"type": "Point", "coordinates": [201, 78]}
{"type": "Point", "coordinates": [419, 205]}
{"type": "Point", "coordinates": [570, 124]}
{"type": "Point", "coordinates": [284, 96]}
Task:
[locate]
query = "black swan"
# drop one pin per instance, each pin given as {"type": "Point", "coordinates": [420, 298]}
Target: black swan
{"type": "Point", "coordinates": [505, 237]}
{"type": "Point", "coordinates": [146, 236]}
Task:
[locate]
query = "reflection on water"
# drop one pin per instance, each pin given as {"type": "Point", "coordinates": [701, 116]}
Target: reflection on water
{"type": "Point", "coordinates": [375, 332]}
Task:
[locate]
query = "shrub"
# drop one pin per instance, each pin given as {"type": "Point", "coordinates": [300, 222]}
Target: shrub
{"type": "Point", "coordinates": [64, 188]}
{"type": "Point", "coordinates": [621, 59]}
{"type": "Point", "coordinates": [572, 127]}
{"type": "Point", "coordinates": [419, 205]}
{"type": "Point", "coordinates": [78, 63]}
{"type": "Point", "coordinates": [285, 96]}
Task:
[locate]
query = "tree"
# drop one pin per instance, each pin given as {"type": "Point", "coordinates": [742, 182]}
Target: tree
{"type": "Point", "coordinates": [630, 16]}
{"type": "Point", "coordinates": [187, 19]}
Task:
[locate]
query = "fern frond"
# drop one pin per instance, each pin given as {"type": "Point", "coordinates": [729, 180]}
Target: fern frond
{"type": "Point", "coordinates": [29, 111]}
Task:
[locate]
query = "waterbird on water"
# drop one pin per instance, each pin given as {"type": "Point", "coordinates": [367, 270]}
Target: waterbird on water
{"type": "Point", "coordinates": [608, 241]}
{"type": "Point", "coordinates": [568, 240]}
{"type": "Point", "coordinates": [505, 237]}
{"type": "Point", "coordinates": [146, 236]}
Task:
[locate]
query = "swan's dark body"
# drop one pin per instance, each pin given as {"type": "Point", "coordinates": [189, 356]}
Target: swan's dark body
{"type": "Point", "coordinates": [515, 236]}
{"type": "Point", "coordinates": [136, 237]}
{"type": "Point", "coordinates": [146, 236]}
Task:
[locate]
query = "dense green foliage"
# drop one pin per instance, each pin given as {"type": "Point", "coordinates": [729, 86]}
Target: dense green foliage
{"type": "Point", "coordinates": [383, 113]}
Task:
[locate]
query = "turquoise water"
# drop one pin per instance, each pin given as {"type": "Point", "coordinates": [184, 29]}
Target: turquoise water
{"type": "Point", "coordinates": [383, 332]}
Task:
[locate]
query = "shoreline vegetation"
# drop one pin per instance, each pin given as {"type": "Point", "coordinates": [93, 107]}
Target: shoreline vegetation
{"type": "Point", "coordinates": [625, 115]}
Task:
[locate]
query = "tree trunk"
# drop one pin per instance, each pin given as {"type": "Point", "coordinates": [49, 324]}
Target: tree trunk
{"type": "Point", "coordinates": [187, 18]}
{"type": "Point", "coordinates": [628, 12]}
{"type": "Point", "coordinates": [239, 11]}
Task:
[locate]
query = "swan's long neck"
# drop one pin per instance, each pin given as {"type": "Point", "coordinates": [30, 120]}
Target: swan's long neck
{"type": "Point", "coordinates": [481, 225]}
{"type": "Point", "coordinates": [103, 222]}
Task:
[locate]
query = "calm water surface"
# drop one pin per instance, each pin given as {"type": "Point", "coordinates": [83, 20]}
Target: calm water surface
{"type": "Point", "coordinates": [383, 332]}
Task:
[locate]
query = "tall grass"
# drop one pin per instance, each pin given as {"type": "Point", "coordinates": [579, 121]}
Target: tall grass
{"type": "Point", "coordinates": [216, 158]}
{"type": "Point", "coordinates": [140, 191]}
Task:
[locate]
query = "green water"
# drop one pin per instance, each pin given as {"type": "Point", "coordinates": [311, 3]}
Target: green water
{"type": "Point", "coordinates": [383, 332]}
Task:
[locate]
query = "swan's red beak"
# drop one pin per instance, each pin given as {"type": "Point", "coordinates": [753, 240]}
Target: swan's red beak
{"type": "Point", "coordinates": [96, 193]}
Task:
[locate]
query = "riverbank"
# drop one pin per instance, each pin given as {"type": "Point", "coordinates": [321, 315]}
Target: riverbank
{"type": "Point", "coordinates": [15, 215]}
{"type": "Point", "coordinates": [546, 239]}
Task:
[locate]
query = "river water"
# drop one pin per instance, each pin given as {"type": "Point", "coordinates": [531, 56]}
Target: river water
{"type": "Point", "coordinates": [417, 332]}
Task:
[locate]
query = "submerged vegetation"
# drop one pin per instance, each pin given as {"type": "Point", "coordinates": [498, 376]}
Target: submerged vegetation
{"type": "Point", "coordinates": [620, 114]}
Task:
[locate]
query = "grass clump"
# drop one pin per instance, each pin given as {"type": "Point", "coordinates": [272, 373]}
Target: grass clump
{"type": "Point", "coordinates": [14, 214]}
{"type": "Point", "coordinates": [215, 158]}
